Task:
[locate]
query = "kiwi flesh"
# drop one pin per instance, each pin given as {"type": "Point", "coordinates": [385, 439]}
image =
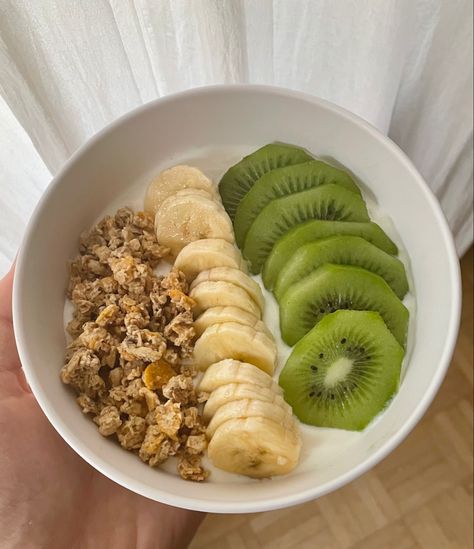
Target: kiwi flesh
{"type": "Point", "coordinates": [330, 202]}
{"type": "Point", "coordinates": [313, 230]}
{"type": "Point", "coordinates": [284, 181]}
{"type": "Point", "coordinates": [342, 250]}
{"type": "Point", "coordinates": [334, 287]}
{"type": "Point", "coordinates": [239, 179]}
{"type": "Point", "coordinates": [343, 372]}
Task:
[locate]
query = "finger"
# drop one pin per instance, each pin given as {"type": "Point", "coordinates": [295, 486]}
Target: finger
{"type": "Point", "coordinates": [6, 287]}
{"type": "Point", "coordinates": [9, 360]}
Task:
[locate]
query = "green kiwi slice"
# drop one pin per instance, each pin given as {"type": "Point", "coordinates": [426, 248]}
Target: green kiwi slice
{"type": "Point", "coordinates": [342, 250]}
{"type": "Point", "coordinates": [334, 287]}
{"type": "Point", "coordinates": [331, 202]}
{"type": "Point", "coordinates": [307, 232]}
{"type": "Point", "coordinates": [343, 372]}
{"type": "Point", "coordinates": [284, 181]}
{"type": "Point", "coordinates": [239, 179]}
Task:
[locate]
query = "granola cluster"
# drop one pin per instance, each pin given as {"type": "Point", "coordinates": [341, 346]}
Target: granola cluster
{"type": "Point", "coordinates": [132, 335]}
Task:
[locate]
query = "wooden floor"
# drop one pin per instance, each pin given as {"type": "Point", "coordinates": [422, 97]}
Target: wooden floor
{"type": "Point", "coordinates": [420, 496]}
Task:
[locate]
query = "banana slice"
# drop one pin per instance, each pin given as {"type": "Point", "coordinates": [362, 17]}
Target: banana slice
{"type": "Point", "coordinates": [207, 253]}
{"type": "Point", "coordinates": [186, 218]}
{"type": "Point", "coordinates": [198, 192]}
{"type": "Point", "coordinates": [236, 276]}
{"type": "Point", "coordinates": [239, 391]}
{"type": "Point", "coordinates": [255, 446]}
{"type": "Point", "coordinates": [241, 409]}
{"type": "Point", "coordinates": [218, 315]}
{"type": "Point", "coordinates": [233, 340]}
{"type": "Point", "coordinates": [173, 180]}
{"type": "Point", "coordinates": [222, 294]}
{"type": "Point", "coordinates": [233, 371]}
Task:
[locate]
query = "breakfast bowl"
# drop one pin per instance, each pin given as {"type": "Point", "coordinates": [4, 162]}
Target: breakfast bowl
{"type": "Point", "coordinates": [212, 128]}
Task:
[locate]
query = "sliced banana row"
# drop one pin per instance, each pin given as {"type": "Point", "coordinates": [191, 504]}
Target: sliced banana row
{"type": "Point", "coordinates": [191, 221]}
{"type": "Point", "coordinates": [187, 207]}
{"type": "Point", "coordinates": [229, 306]}
{"type": "Point", "coordinates": [176, 179]}
{"type": "Point", "coordinates": [219, 293]}
{"type": "Point", "coordinates": [242, 391]}
{"type": "Point", "coordinates": [234, 340]}
{"type": "Point", "coordinates": [255, 446]}
{"type": "Point", "coordinates": [251, 428]}
{"type": "Point", "coordinates": [237, 277]}
{"type": "Point", "coordinates": [206, 254]}
{"type": "Point", "coordinates": [220, 315]}
{"type": "Point", "coordinates": [250, 407]}
{"type": "Point", "coordinates": [234, 371]}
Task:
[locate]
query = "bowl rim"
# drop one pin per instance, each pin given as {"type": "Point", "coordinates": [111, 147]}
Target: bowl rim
{"type": "Point", "coordinates": [214, 505]}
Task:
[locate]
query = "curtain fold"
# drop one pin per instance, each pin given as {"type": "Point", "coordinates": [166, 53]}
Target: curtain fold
{"type": "Point", "coordinates": [67, 68]}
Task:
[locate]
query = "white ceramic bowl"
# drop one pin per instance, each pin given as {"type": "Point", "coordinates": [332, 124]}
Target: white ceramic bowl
{"type": "Point", "coordinates": [228, 118]}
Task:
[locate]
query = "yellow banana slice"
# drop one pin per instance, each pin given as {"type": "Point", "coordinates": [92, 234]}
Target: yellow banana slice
{"type": "Point", "coordinates": [218, 315]}
{"type": "Point", "coordinates": [173, 180]}
{"type": "Point", "coordinates": [236, 276]}
{"type": "Point", "coordinates": [207, 253]}
{"type": "Point", "coordinates": [198, 192]}
{"type": "Point", "coordinates": [189, 217]}
{"type": "Point", "coordinates": [241, 409]}
{"type": "Point", "coordinates": [239, 391]}
{"type": "Point", "coordinates": [234, 371]}
{"type": "Point", "coordinates": [222, 294]}
{"type": "Point", "coordinates": [255, 446]}
{"type": "Point", "coordinates": [233, 340]}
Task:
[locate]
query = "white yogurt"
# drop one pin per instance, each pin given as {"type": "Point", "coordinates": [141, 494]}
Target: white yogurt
{"type": "Point", "coordinates": [321, 446]}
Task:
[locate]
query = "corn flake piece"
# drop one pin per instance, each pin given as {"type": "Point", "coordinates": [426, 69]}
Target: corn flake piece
{"type": "Point", "coordinates": [157, 374]}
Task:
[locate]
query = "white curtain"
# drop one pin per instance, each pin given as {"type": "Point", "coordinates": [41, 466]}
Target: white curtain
{"type": "Point", "coordinates": [68, 67]}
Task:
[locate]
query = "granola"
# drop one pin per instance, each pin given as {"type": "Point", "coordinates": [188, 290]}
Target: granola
{"type": "Point", "coordinates": [132, 333]}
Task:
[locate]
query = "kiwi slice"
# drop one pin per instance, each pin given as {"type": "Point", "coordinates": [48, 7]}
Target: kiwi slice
{"type": "Point", "coordinates": [239, 179]}
{"type": "Point", "coordinates": [343, 372]}
{"type": "Point", "coordinates": [313, 230]}
{"type": "Point", "coordinates": [331, 202]}
{"type": "Point", "coordinates": [284, 181]}
{"type": "Point", "coordinates": [334, 287]}
{"type": "Point", "coordinates": [342, 250]}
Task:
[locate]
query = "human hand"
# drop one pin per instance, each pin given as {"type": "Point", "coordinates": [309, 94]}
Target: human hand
{"type": "Point", "coordinates": [51, 498]}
